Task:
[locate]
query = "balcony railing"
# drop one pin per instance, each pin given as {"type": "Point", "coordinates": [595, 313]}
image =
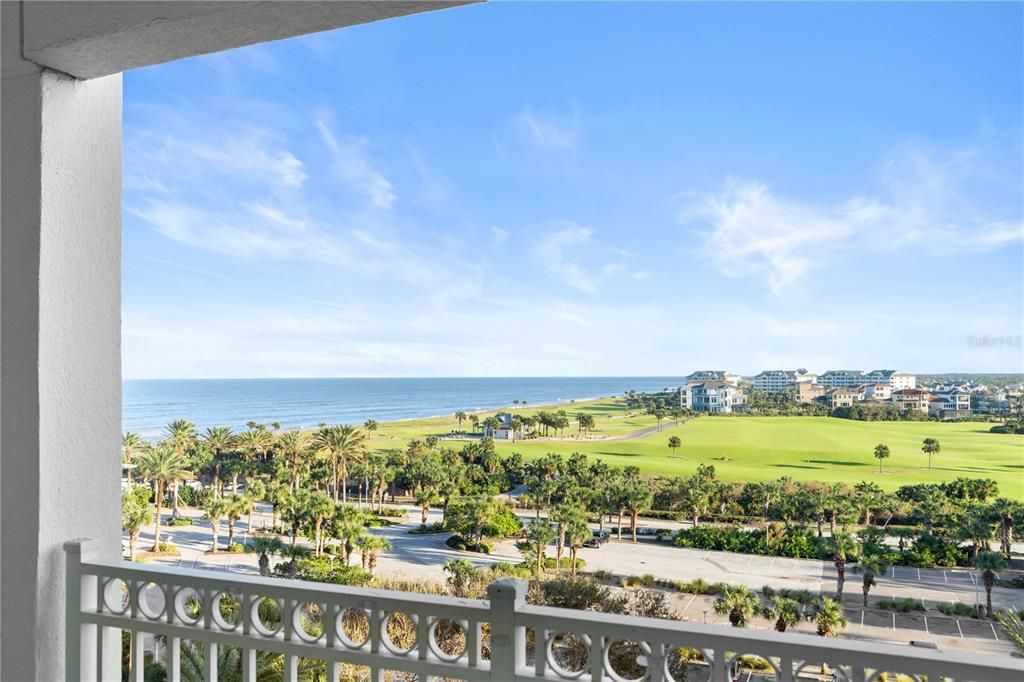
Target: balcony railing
{"type": "Point", "coordinates": [496, 640]}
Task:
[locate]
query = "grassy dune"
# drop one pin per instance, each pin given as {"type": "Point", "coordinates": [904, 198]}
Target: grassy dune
{"type": "Point", "coordinates": [759, 448]}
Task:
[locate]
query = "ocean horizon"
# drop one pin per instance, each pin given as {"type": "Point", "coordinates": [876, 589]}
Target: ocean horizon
{"type": "Point", "coordinates": [149, 404]}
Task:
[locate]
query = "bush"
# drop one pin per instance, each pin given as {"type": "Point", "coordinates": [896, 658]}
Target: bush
{"type": "Point", "coordinates": [236, 548]}
{"type": "Point", "coordinates": [166, 547]}
{"type": "Point", "coordinates": [960, 609]}
{"type": "Point", "coordinates": [461, 544]}
{"type": "Point", "coordinates": [393, 512]}
{"type": "Point", "coordinates": [431, 529]}
{"type": "Point", "coordinates": [378, 522]}
{"type": "Point", "coordinates": [188, 496]}
{"type": "Point", "coordinates": [602, 574]}
{"type": "Point", "coordinates": [504, 524]}
{"type": "Point", "coordinates": [565, 563]}
{"type": "Point", "coordinates": [323, 570]}
{"type": "Point", "coordinates": [902, 605]}
{"type": "Point", "coordinates": [180, 521]}
{"type": "Point", "coordinates": [795, 543]}
{"type": "Point", "coordinates": [700, 586]}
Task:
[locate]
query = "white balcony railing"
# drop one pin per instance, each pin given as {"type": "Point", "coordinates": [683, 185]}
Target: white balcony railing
{"type": "Point", "coordinates": [496, 640]}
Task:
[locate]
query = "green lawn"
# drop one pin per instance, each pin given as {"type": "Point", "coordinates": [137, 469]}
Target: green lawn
{"type": "Point", "coordinates": [759, 448]}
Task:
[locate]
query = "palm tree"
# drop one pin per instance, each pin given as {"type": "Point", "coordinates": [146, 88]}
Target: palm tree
{"type": "Point", "coordinates": [180, 435]}
{"type": "Point", "coordinates": [237, 505]}
{"type": "Point", "coordinates": [843, 546]}
{"type": "Point", "coordinates": [294, 446]}
{"type": "Point", "coordinates": [369, 547]}
{"type": "Point", "coordinates": [347, 526]}
{"type": "Point", "coordinates": [930, 446]}
{"type": "Point", "coordinates": [674, 443]}
{"type": "Point", "coordinates": [739, 602]}
{"type": "Point", "coordinates": [460, 416]}
{"type": "Point", "coordinates": [253, 442]}
{"type": "Point", "coordinates": [424, 498]}
{"type": "Point", "coordinates": [319, 509]}
{"type": "Point", "coordinates": [370, 425]}
{"type": "Point", "coordinates": [163, 466]}
{"type": "Point", "coordinates": [219, 439]}
{"type": "Point", "coordinates": [132, 444]}
{"type": "Point", "coordinates": [829, 618]}
{"type": "Point", "coordinates": [342, 443]}
{"type": "Point", "coordinates": [475, 421]}
{"type": "Point", "coordinates": [577, 531]}
{"type": "Point", "coordinates": [881, 452]}
{"type": "Point", "coordinates": [134, 515]}
{"type": "Point", "coordinates": [266, 547]}
{"type": "Point", "coordinates": [871, 565]}
{"type": "Point", "coordinates": [538, 536]}
{"type": "Point", "coordinates": [215, 509]}
{"type": "Point", "coordinates": [991, 564]}
{"type": "Point", "coordinates": [785, 612]}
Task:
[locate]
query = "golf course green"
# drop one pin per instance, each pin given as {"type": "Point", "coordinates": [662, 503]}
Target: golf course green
{"type": "Point", "coordinates": [761, 448]}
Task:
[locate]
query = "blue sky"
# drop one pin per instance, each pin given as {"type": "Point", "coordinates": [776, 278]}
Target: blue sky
{"type": "Point", "coordinates": [583, 189]}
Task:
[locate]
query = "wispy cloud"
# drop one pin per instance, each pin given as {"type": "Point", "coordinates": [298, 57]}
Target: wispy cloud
{"type": "Point", "coordinates": [548, 130]}
{"type": "Point", "coordinates": [553, 252]}
{"type": "Point", "coordinates": [498, 236]}
{"type": "Point", "coordinates": [922, 199]}
{"type": "Point", "coordinates": [352, 168]}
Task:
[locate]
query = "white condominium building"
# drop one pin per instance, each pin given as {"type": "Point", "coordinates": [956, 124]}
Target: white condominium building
{"type": "Point", "coordinates": [779, 380]}
{"type": "Point", "coordinates": [842, 378]}
{"type": "Point", "coordinates": [896, 380]}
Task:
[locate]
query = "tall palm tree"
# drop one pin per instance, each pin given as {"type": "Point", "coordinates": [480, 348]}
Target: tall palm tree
{"type": "Point", "coordinates": [163, 466]}
{"type": "Point", "coordinates": [254, 443]}
{"type": "Point", "coordinates": [370, 425]}
{"type": "Point", "coordinates": [881, 453]}
{"type": "Point", "coordinates": [219, 439]}
{"type": "Point", "coordinates": [132, 444]}
{"type": "Point", "coordinates": [843, 545]}
{"type": "Point", "coordinates": [344, 443]}
{"type": "Point", "coordinates": [294, 446]}
{"type": "Point", "coordinates": [991, 564]}
{"type": "Point", "coordinates": [460, 417]}
{"type": "Point", "coordinates": [216, 509]}
{"type": "Point", "coordinates": [872, 565]}
{"type": "Point", "coordinates": [180, 434]}
{"type": "Point", "coordinates": [236, 506]}
{"type": "Point", "coordinates": [369, 547]}
{"type": "Point", "coordinates": [930, 446]}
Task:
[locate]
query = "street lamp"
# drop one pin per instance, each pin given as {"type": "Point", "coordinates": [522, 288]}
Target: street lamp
{"type": "Point", "coordinates": [705, 616]}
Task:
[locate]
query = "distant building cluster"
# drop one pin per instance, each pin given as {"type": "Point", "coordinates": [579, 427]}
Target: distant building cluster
{"type": "Point", "coordinates": [723, 392]}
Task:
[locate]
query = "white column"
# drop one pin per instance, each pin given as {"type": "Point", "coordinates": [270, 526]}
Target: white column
{"type": "Point", "coordinates": [59, 345]}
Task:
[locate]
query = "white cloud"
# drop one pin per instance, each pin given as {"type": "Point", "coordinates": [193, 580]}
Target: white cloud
{"type": "Point", "coordinates": [937, 202]}
{"type": "Point", "coordinates": [351, 167]}
{"type": "Point", "coordinates": [551, 253]}
{"type": "Point", "coordinates": [498, 236]}
{"type": "Point", "coordinates": [550, 131]}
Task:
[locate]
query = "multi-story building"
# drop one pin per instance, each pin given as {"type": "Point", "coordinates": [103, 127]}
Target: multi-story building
{"type": "Point", "coordinates": [952, 404]}
{"type": "Point", "coordinates": [841, 378]}
{"type": "Point", "coordinates": [713, 375]}
{"type": "Point", "coordinates": [716, 397]}
{"type": "Point", "coordinates": [807, 392]}
{"type": "Point", "coordinates": [840, 397]}
{"type": "Point", "coordinates": [896, 380]}
{"type": "Point", "coordinates": [779, 380]}
{"type": "Point", "coordinates": [877, 392]}
{"type": "Point", "coordinates": [912, 399]}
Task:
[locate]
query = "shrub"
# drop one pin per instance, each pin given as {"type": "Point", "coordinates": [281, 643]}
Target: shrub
{"type": "Point", "coordinates": [323, 570]}
{"type": "Point", "coordinates": [236, 548]}
{"type": "Point", "coordinates": [461, 544]}
{"type": "Point", "coordinates": [901, 605]}
{"type": "Point", "coordinates": [504, 523]}
{"type": "Point", "coordinates": [565, 563]}
{"type": "Point", "coordinates": [960, 609]}
{"type": "Point", "coordinates": [393, 512]}
{"type": "Point", "coordinates": [166, 547]}
{"type": "Point", "coordinates": [603, 574]}
{"type": "Point", "coordinates": [180, 521]}
{"type": "Point", "coordinates": [796, 543]}
{"type": "Point", "coordinates": [431, 529]}
{"type": "Point", "coordinates": [378, 522]}
{"type": "Point", "coordinates": [700, 586]}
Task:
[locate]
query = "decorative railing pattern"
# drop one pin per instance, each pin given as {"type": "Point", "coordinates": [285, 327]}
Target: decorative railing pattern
{"type": "Point", "coordinates": [495, 639]}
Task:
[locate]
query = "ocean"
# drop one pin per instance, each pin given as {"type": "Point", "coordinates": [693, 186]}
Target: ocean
{"type": "Point", "coordinates": [149, 404]}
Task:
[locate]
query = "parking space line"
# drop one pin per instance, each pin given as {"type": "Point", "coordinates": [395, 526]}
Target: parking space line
{"type": "Point", "coordinates": [751, 559]}
{"type": "Point", "coordinates": [973, 579]}
{"type": "Point", "coordinates": [992, 625]}
{"type": "Point", "coordinates": [893, 620]}
{"type": "Point", "coordinates": [945, 577]}
{"type": "Point", "coordinates": [862, 617]}
{"type": "Point", "coordinates": [689, 602]}
{"type": "Point", "coordinates": [926, 631]}
{"type": "Point", "coordinates": [894, 573]}
{"type": "Point", "coordinates": [958, 628]}
{"type": "Point", "coordinates": [919, 574]}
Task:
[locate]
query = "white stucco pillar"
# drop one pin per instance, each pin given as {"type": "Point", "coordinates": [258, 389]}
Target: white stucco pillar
{"type": "Point", "coordinates": [60, 402]}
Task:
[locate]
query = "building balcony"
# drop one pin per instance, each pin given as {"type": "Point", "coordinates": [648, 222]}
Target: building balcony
{"type": "Point", "coordinates": [347, 628]}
